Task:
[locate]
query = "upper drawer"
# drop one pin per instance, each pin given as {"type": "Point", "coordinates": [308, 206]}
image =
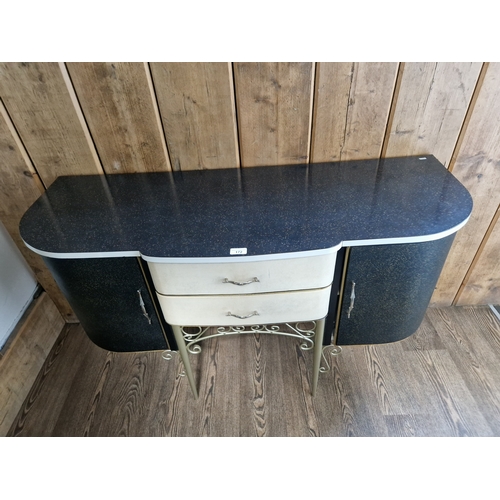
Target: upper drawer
{"type": "Point", "coordinates": [230, 278]}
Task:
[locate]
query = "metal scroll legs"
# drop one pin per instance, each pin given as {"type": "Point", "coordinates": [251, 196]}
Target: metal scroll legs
{"type": "Point", "coordinates": [181, 338]}
{"type": "Point", "coordinates": [181, 344]}
{"type": "Point", "coordinates": [318, 348]}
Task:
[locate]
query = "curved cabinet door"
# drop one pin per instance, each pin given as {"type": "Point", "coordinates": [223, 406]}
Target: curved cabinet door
{"type": "Point", "coordinates": [393, 285]}
{"type": "Point", "coordinates": [104, 295]}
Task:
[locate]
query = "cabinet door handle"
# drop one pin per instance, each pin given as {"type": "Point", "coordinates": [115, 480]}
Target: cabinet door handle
{"type": "Point", "coordinates": [143, 307]}
{"type": "Point", "coordinates": [241, 283]}
{"type": "Point", "coordinates": [353, 296]}
{"type": "Point", "coordinates": [255, 313]}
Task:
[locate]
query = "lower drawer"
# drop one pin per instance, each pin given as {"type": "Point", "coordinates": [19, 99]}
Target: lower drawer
{"type": "Point", "coordinates": [260, 308]}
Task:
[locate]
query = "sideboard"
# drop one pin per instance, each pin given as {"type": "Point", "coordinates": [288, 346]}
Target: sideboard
{"type": "Point", "coordinates": [336, 254]}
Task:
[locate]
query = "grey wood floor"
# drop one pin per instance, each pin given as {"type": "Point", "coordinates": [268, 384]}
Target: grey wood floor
{"type": "Point", "coordinates": [442, 381]}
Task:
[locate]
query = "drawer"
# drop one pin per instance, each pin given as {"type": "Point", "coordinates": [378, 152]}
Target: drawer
{"type": "Point", "coordinates": [273, 275]}
{"type": "Point", "coordinates": [212, 310]}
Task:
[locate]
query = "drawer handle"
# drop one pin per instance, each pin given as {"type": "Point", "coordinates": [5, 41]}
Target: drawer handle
{"type": "Point", "coordinates": [241, 283]}
{"type": "Point", "coordinates": [353, 296]}
{"type": "Point", "coordinates": [143, 307]}
{"type": "Point", "coordinates": [255, 313]}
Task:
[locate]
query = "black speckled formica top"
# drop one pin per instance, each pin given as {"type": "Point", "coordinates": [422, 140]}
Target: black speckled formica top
{"type": "Point", "coordinates": [267, 210]}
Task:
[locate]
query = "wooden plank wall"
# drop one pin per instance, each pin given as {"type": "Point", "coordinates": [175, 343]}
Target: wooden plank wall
{"type": "Point", "coordinates": [106, 118]}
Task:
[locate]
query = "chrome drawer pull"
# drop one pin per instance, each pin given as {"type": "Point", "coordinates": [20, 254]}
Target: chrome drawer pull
{"type": "Point", "coordinates": [353, 296]}
{"type": "Point", "coordinates": [255, 313]}
{"type": "Point", "coordinates": [143, 307]}
{"type": "Point", "coordinates": [241, 283]}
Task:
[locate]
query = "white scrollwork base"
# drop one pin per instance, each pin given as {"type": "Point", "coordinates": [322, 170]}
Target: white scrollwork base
{"type": "Point", "coordinates": [334, 350]}
{"type": "Point", "coordinates": [304, 331]}
{"type": "Point", "coordinates": [167, 355]}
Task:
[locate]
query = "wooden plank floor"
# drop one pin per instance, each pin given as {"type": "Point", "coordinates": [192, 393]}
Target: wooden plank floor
{"type": "Point", "coordinates": [442, 381]}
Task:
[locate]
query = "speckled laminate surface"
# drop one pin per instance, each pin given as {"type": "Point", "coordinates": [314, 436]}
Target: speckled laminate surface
{"type": "Point", "coordinates": [267, 210]}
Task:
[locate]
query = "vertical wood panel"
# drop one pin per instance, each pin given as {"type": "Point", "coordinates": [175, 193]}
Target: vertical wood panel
{"type": "Point", "coordinates": [352, 105]}
{"type": "Point", "coordinates": [331, 102]}
{"type": "Point", "coordinates": [38, 101]}
{"type": "Point", "coordinates": [196, 103]}
{"type": "Point", "coordinates": [478, 168]}
{"type": "Point", "coordinates": [273, 102]}
{"type": "Point", "coordinates": [431, 107]}
{"type": "Point", "coordinates": [482, 286]}
{"type": "Point", "coordinates": [119, 109]}
{"type": "Point", "coordinates": [19, 188]}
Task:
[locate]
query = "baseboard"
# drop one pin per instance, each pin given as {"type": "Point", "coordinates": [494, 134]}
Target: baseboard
{"type": "Point", "coordinates": [23, 356]}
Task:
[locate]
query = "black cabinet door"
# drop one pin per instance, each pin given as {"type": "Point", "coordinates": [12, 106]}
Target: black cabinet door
{"type": "Point", "coordinates": [104, 295]}
{"type": "Point", "coordinates": [393, 285]}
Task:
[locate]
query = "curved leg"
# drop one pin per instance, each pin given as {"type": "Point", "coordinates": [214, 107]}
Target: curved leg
{"type": "Point", "coordinates": [185, 359]}
{"type": "Point", "coordinates": [318, 349]}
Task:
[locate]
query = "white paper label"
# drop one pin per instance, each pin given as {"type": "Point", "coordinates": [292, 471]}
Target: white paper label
{"type": "Point", "coordinates": [238, 251]}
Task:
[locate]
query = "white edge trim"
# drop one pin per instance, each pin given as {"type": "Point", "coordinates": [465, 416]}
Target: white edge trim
{"type": "Point", "coordinates": [250, 258]}
{"type": "Point", "coordinates": [247, 258]}
{"type": "Point", "coordinates": [495, 312]}
{"type": "Point", "coordinates": [408, 239]}
{"type": "Point", "coordinates": [83, 255]}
